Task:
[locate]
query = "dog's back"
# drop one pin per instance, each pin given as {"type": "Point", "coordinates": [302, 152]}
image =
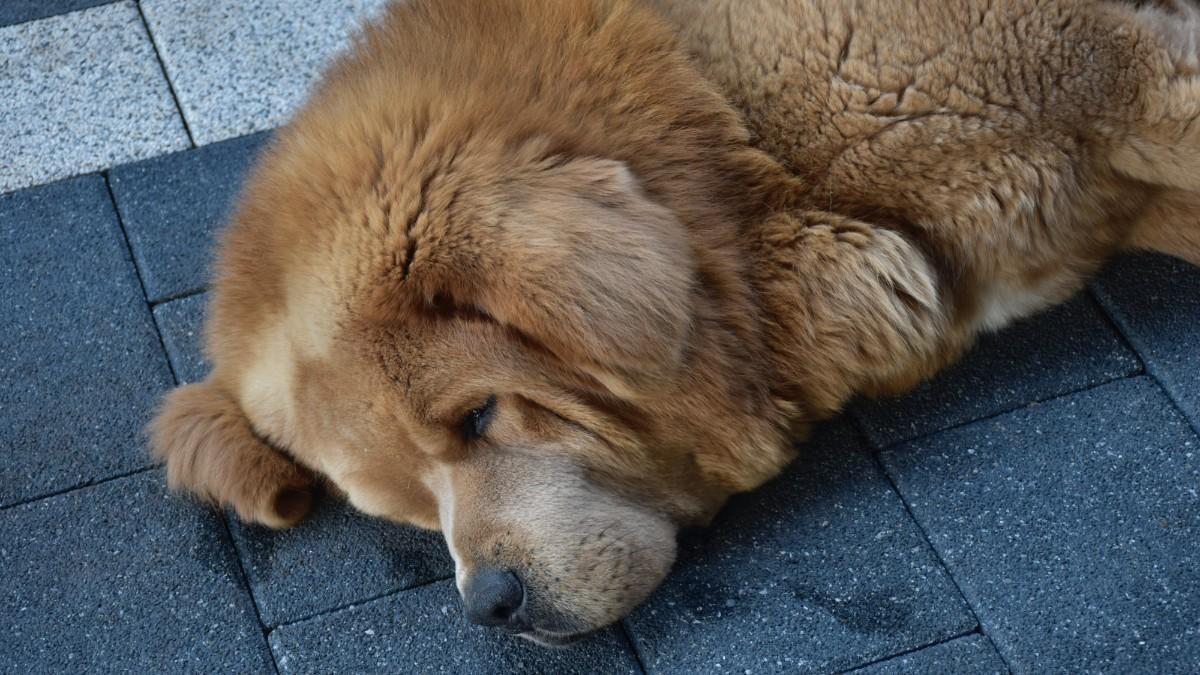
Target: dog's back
{"type": "Point", "coordinates": [1009, 146]}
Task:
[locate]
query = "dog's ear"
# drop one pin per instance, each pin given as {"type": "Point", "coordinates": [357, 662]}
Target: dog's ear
{"type": "Point", "coordinates": [211, 451]}
{"type": "Point", "coordinates": [591, 267]}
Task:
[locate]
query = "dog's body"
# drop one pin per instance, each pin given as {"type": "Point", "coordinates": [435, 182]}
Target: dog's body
{"type": "Point", "coordinates": [976, 160]}
{"type": "Point", "coordinates": [519, 270]}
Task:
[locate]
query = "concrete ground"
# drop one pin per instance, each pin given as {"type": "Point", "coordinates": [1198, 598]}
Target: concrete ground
{"type": "Point", "coordinates": [1035, 508]}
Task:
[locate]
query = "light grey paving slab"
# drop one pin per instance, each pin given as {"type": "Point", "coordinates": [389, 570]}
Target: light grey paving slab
{"type": "Point", "coordinates": [81, 92]}
{"type": "Point", "coordinates": [239, 66]}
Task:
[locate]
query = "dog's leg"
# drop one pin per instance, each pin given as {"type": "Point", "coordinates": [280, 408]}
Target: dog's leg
{"type": "Point", "coordinates": [853, 308]}
{"type": "Point", "coordinates": [1171, 225]}
{"type": "Point", "coordinates": [1162, 144]}
{"type": "Point", "coordinates": [211, 451]}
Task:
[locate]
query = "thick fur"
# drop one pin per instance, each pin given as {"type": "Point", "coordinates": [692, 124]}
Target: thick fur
{"type": "Point", "coordinates": [663, 240]}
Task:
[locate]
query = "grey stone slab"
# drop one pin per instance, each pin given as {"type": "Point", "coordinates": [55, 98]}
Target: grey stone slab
{"type": "Point", "coordinates": [239, 67]}
{"type": "Point", "coordinates": [336, 557]}
{"type": "Point", "coordinates": [18, 11]}
{"type": "Point", "coordinates": [1068, 348]}
{"type": "Point", "coordinates": [819, 570]}
{"type": "Point", "coordinates": [969, 655]}
{"type": "Point", "coordinates": [80, 363]}
{"type": "Point", "coordinates": [1072, 527]}
{"type": "Point", "coordinates": [122, 577]}
{"type": "Point", "coordinates": [423, 631]}
{"type": "Point", "coordinates": [173, 207]}
{"type": "Point", "coordinates": [81, 92]}
{"type": "Point", "coordinates": [1156, 302]}
{"type": "Point", "coordinates": [180, 322]}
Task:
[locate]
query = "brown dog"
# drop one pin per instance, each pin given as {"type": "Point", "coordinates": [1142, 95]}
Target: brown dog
{"type": "Point", "coordinates": [558, 277]}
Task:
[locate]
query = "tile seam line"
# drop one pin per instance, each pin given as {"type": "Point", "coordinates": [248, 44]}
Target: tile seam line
{"type": "Point", "coordinates": [51, 16]}
{"type": "Point", "coordinates": [243, 578]}
{"type": "Point", "coordinates": [162, 345]}
{"type": "Point", "coordinates": [979, 626]}
{"type": "Point", "coordinates": [1168, 391]}
{"type": "Point", "coordinates": [1144, 372]}
{"type": "Point", "coordinates": [627, 633]}
{"type": "Point", "coordinates": [355, 603]}
{"type": "Point", "coordinates": [1091, 291]}
{"type": "Point", "coordinates": [78, 488]}
{"type": "Point", "coordinates": [907, 652]}
{"type": "Point", "coordinates": [162, 68]}
{"type": "Point", "coordinates": [244, 581]}
{"type": "Point", "coordinates": [181, 295]}
{"type": "Point", "coordinates": [1150, 367]}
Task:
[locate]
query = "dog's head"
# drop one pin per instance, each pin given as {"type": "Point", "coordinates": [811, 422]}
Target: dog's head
{"type": "Point", "coordinates": [532, 335]}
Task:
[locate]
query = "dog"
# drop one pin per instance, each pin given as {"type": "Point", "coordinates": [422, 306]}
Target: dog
{"type": "Point", "coordinates": [558, 277]}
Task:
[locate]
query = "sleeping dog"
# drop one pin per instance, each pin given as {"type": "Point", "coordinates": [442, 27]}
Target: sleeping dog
{"type": "Point", "coordinates": [558, 277]}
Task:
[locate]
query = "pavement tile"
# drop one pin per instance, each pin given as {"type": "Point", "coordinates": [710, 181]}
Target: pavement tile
{"type": "Point", "coordinates": [1073, 528]}
{"type": "Point", "coordinates": [18, 11]}
{"type": "Point", "coordinates": [81, 92]}
{"type": "Point", "coordinates": [80, 365]}
{"type": "Point", "coordinates": [238, 66]}
{"type": "Point", "coordinates": [173, 206]}
{"type": "Point", "coordinates": [122, 577]}
{"type": "Point", "coordinates": [180, 322]}
{"type": "Point", "coordinates": [1156, 302]}
{"type": "Point", "coordinates": [336, 557]}
{"type": "Point", "coordinates": [1068, 348]}
{"type": "Point", "coordinates": [423, 631]}
{"type": "Point", "coordinates": [968, 655]}
{"type": "Point", "coordinates": [819, 570]}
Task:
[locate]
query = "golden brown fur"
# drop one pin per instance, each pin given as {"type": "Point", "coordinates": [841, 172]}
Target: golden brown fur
{"type": "Point", "coordinates": [651, 249]}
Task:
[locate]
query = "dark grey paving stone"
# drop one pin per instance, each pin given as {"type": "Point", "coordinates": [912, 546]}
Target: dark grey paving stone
{"type": "Point", "coordinates": [181, 323]}
{"type": "Point", "coordinates": [80, 363]}
{"type": "Point", "coordinates": [1072, 527]}
{"type": "Point", "coordinates": [17, 11]}
{"type": "Point", "coordinates": [336, 557]}
{"type": "Point", "coordinates": [173, 206]}
{"type": "Point", "coordinates": [122, 577]}
{"type": "Point", "coordinates": [820, 570]}
{"type": "Point", "coordinates": [1065, 349]}
{"type": "Point", "coordinates": [1156, 302]}
{"type": "Point", "coordinates": [963, 656]}
{"type": "Point", "coordinates": [423, 631]}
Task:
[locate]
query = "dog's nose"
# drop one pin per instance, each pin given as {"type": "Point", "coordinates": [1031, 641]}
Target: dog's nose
{"type": "Point", "coordinates": [493, 598]}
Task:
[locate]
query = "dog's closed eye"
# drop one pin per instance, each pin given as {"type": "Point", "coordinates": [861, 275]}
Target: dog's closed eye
{"type": "Point", "coordinates": [474, 424]}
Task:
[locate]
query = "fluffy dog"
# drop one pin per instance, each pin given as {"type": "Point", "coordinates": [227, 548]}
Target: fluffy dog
{"type": "Point", "coordinates": [558, 277]}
